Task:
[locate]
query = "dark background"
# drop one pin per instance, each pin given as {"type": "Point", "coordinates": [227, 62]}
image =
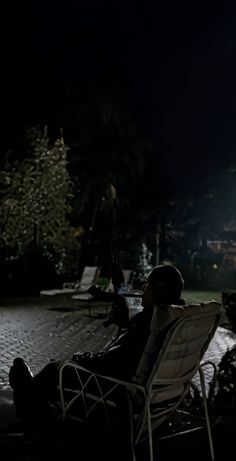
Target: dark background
{"type": "Point", "coordinates": [168, 68]}
{"type": "Point", "coordinates": [173, 62]}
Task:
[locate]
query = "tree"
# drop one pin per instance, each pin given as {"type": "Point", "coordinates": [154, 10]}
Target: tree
{"type": "Point", "coordinates": [35, 205]}
{"type": "Point", "coordinates": [109, 163]}
{"type": "Point", "coordinates": [208, 213]}
{"type": "Point", "coordinates": [35, 201]}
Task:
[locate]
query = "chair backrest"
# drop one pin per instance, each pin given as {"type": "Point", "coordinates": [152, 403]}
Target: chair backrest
{"type": "Point", "coordinates": [166, 373]}
{"type": "Point", "coordinates": [89, 277]}
{"type": "Point", "coordinates": [127, 273]}
{"type": "Point", "coordinates": [187, 331]}
{"type": "Point", "coordinates": [110, 286]}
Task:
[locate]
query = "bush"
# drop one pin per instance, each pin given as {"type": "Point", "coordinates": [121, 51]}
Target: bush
{"type": "Point", "coordinates": [27, 275]}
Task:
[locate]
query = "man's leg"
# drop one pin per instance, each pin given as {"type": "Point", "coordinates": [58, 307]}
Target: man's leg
{"type": "Point", "coordinates": [32, 394]}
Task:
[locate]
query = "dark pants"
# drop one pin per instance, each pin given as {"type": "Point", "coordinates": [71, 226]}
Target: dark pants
{"type": "Point", "coordinates": [37, 406]}
{"type": "Point", "coordinates": [34, 402]}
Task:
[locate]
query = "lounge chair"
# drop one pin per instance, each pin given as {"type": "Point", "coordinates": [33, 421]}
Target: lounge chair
{"type": "Point", "coordinates": [167, 382]}
{"type": "Point", "coordinates": [91, 301]}
{"type": "Point", "coordinates": [89, 277]}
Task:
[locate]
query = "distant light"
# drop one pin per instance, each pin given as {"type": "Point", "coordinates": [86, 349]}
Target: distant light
{"type": "Point", "coordinates": [215, 266]}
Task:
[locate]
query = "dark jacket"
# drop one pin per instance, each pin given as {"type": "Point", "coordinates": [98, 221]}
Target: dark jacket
{"type": "Point", "coordinates": [121, 355]}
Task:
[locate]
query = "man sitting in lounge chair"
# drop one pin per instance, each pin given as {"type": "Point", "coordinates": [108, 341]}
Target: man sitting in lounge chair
{"type": "Point", "coordinates": [34, 395]}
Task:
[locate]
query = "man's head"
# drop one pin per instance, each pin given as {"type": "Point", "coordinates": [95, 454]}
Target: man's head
{"type": "Point", "coordinates": [164, 285]}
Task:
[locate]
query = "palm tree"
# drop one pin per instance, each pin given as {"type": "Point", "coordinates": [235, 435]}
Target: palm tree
{"type": "Point", "coordinates": [110, 164]}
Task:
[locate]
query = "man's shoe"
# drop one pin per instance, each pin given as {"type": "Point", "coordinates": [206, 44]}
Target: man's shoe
{"type": "Point", "coordinates": [20, 375]}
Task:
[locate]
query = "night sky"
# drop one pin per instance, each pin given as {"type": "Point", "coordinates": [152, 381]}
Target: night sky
{"type": "Point", "coordinates": [175, 63]}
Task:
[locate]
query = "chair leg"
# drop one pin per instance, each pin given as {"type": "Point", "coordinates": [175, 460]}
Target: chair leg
{"type": "Point", "coordinates": [150, 433]}
{"type": "Point", "coordinates": [149, 427]}
{"type": "Point", "coordinates": [208, 424]}
{"type": "Point", "coordinates": [131, 427]}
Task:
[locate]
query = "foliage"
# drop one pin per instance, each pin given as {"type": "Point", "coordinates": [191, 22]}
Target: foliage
{"type": "Point", "coordinates": [193, 218]}
{"type": "Point", "coordinates": [35, 202]}
{"type": "Point", "coordinates": [112, 166]}
{"type": "Point", "coordinates": [222, 392]}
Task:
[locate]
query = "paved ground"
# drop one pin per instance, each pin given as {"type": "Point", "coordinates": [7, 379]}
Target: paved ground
{"type": "Point", "coordinates": [39, 331]}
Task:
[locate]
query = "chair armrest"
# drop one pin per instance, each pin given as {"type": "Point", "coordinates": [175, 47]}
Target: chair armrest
{"type": "Point", "coordinates": [127, 384]}
{"type": "Point", "coordinates": [88, 386]}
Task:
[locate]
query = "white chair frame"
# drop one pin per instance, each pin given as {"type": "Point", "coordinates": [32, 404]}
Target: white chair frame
{"type": "Point", "coordinates": [146, 416]}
